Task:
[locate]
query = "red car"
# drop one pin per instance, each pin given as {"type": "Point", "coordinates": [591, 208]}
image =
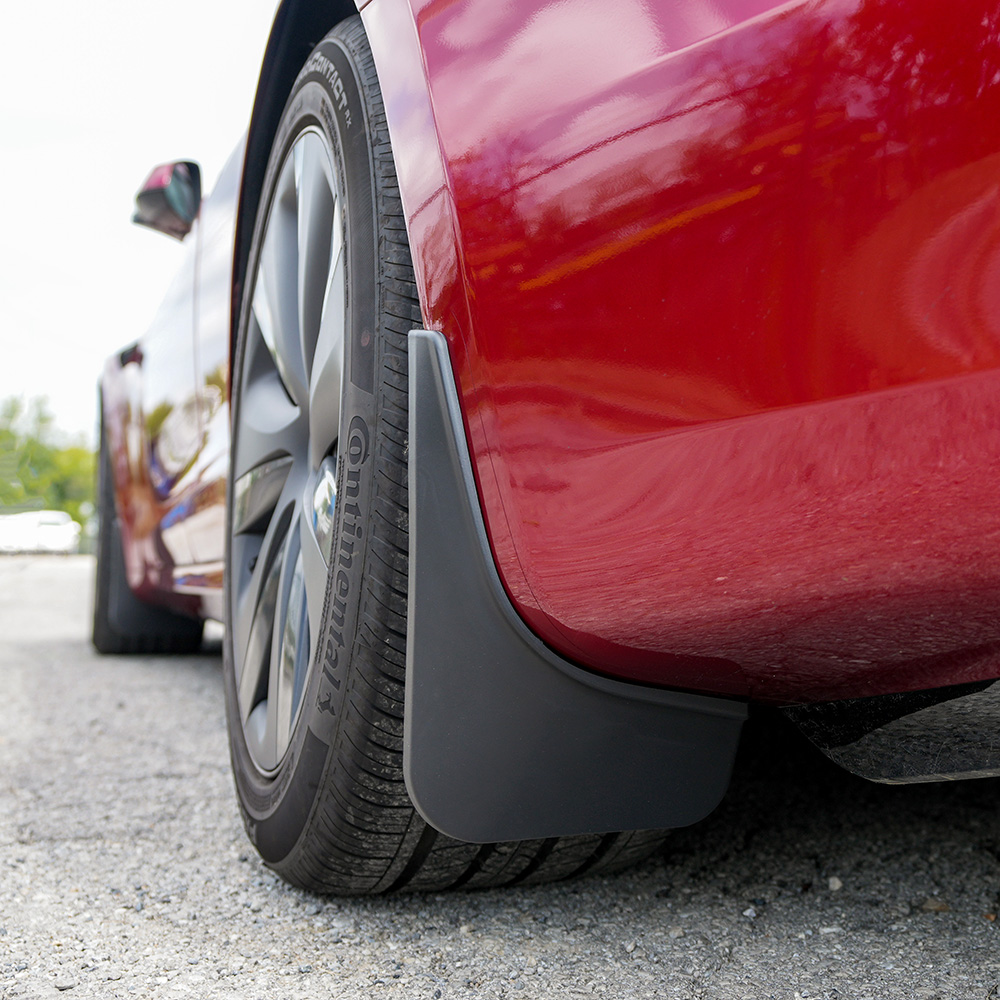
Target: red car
{"type": "Point", "coordinates": [592, 373]}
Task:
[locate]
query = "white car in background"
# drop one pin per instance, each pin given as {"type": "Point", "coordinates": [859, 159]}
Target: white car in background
{"type": "Point", "coordinates": [39, 531]}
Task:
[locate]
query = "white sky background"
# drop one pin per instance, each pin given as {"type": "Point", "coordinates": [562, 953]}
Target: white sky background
{"type": "Point", "coordinates": [92, 96]}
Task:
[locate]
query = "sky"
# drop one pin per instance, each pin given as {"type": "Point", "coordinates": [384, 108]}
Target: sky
{"type": "Point", "coordinates": [93, 96]}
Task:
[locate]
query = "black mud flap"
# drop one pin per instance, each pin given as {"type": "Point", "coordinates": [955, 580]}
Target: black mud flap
{"type": "Point", "coordinates": [504, 739]}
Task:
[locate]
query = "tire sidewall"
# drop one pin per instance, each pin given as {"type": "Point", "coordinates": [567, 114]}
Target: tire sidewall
{"type": "Point", "coordinates": [328, 98]}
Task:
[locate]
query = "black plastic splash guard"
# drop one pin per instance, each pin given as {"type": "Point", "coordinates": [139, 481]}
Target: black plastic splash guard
{"type": "Point", "coordinates": [504, 739]}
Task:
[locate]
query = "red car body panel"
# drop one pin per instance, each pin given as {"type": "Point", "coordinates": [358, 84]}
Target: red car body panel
{"type": "Point", "coordinates": [721, 286]}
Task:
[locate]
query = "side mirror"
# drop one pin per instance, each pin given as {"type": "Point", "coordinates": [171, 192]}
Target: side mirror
{"type": "Point", "coordinates": [169, 200]}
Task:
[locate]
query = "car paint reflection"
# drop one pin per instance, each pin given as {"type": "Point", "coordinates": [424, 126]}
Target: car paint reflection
{"type": "Point", "coordinates": [693, 250]}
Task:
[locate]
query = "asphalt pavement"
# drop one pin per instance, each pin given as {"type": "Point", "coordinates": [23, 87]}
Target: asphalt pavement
{"type": "Point", "coordinates": [124, 870]}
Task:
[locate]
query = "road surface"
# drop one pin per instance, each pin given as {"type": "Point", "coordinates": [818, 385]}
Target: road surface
{"type": "Point", "coordinates": [124, 871]}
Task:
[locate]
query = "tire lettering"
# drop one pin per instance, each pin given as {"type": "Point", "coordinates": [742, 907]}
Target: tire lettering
{"type": "Point", "coordinates": [346, 556]}
{"type": "Point", "coordinates": [357, 442]}
{"type": "Point", "coordinates": [353, 485]}
{"type": "Point", "coordinates": [319, 63]}
{"type": "Point", "coordinates": [351, 530]}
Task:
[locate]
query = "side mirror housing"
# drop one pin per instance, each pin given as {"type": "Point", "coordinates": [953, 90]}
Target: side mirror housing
{"type": "Point", "coordinates": [170, 198]}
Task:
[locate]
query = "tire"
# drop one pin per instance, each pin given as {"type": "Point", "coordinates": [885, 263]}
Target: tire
{"type": "Point", "coordinates": [122, 623]}
{"type": "Point", "coordinates": [317, 542]}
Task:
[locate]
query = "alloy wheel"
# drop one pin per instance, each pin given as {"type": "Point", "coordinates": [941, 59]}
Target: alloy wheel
{"type": "Point", "coordinates": [285, 430]}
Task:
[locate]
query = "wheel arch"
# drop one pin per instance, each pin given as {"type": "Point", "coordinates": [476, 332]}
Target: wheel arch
{"type": "Point", "coordinates": [423, 174]}
{"type": "Point", "coordinates": [299, 25]}
{"type": "Point", "coordinates": [118, 401]}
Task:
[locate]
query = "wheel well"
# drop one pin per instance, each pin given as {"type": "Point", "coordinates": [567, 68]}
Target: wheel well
{"type": "Point", "coordinates": [299, 25]}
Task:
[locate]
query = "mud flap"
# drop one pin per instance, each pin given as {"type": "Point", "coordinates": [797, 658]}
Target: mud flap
{"type": "Point", "coordinates": [504, 739]}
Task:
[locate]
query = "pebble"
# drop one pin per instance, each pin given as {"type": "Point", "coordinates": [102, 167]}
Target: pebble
{"type": "Point", "coordinates": [933, 905]}
{"type": "Point", "coordinates": [834, 883]}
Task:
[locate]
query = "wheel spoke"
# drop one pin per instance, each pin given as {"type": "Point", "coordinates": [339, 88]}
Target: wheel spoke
{"type": "Point", "coordinates": [290, 651]}
{"type": "Point", "coordinates": [328, 368]}
{"type": "Point", "coordinates": [270, 426]}
{"type": "Point", "coordinates": [315, 219]}
{"type": "Point", "coordinates": [256, 620]}
{"type": "Point", "coordinates": [256, 657]}
{"type": "Point", "coordinates": [274, 621]}
{"type": "Point", "coordinates": [256, 493]}
{"type": "Point", "coordinates": [253, 559]}
{"type": "Point", "coordinates": [275, 298]}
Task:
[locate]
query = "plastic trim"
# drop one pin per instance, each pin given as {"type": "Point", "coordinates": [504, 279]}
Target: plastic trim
{"type": "Point", "coordinates": [944, 734]}
{"type": "Point", "coordinates": [503, 738]}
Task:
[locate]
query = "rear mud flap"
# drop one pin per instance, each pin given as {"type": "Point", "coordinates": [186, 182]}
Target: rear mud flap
{"type": "Point", "coordinates": [504, 739]}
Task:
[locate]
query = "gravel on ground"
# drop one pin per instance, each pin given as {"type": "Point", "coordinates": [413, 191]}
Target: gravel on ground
{"type": "Point", "coordinates": [125, 873]}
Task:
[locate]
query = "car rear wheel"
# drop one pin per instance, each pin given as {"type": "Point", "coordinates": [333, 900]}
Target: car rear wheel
{"type": "Point", "coordinates": [317, 545]}
{"type": "Point", "coordinates": [121, 622]}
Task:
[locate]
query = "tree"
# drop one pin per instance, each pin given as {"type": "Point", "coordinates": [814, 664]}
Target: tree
{"type": "Point", "coordinates": [37, 472]}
